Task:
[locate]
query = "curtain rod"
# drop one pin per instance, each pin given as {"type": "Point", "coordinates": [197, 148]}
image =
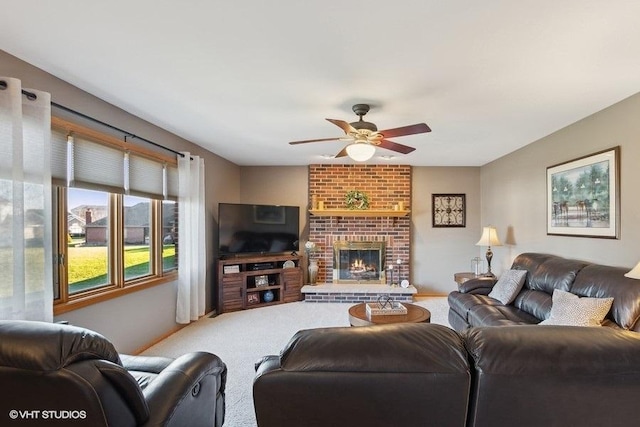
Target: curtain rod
{"type": "Point", "coordinates": [32, 96]}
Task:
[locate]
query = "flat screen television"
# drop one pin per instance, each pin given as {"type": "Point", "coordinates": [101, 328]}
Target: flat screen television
{"type": "Point", "coordinates": [257, 229]}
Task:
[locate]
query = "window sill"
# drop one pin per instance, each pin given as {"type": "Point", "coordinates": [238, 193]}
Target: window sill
{"type": "Point", "coordinates": [82, 301]}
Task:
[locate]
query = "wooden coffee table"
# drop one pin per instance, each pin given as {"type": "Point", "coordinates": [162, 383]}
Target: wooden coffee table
{"type": "Point", "coordinates": [415, 314]}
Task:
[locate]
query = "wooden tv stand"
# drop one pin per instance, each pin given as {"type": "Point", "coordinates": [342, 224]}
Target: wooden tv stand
{"type": "Point", "coordinates": [243, 282]}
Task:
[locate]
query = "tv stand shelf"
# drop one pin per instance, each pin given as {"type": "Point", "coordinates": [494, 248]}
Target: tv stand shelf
{"type": "Point", "coordinates": [245, 281]}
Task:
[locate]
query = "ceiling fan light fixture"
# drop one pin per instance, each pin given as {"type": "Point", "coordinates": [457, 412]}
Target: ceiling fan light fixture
{"type": "Point", "coordinates": [360, 152]}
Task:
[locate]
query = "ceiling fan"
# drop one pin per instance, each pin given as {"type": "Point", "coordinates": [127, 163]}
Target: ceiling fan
{"type": "Point", "coordinates": [365, 136]}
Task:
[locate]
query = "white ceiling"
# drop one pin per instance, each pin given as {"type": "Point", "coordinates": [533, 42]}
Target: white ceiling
{"type": "Point", "coordinates": [243, 77]}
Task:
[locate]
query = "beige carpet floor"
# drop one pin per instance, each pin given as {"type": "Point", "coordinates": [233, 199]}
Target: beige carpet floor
{"type": "Point", "coordinates": [241, 338]}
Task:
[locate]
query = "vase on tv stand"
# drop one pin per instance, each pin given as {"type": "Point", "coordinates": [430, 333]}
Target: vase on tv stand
{"type": "Point", "coordinates": [313, 271]}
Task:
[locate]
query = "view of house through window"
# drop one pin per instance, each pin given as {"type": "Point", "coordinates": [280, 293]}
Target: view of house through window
{"type": "Point", "coordinates": [137, 224]}
{"type": "Point", "coordinates": [93, 237]}
{"type": "Point", "coordinates": [88, 239]}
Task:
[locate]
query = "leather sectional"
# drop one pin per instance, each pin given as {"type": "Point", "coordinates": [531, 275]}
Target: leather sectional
{"type": "Point", "coordinates": [479, 375]}
{"type": "Point", "coordinates": [416, 375]}
{"type": "Point", "coordinates": [471, 306]}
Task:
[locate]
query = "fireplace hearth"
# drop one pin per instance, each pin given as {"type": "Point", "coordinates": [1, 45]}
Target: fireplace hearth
{"type": "Point", "coordinates": [359, 262]}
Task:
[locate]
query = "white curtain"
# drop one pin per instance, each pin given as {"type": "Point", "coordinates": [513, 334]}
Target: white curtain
{"type": "Point", "coordinates": [26, 245]}
{"type": "Point", "coordinates": [191, 239]}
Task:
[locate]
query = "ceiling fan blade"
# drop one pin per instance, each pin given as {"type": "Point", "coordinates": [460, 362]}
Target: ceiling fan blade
{"type": "Point", "coordinates": [405, 130]}
{"type": "Point", "coordinates": [342, 153]}
{"type": "Point", "coordinates": [314, 140]}
{"type": "Point", "coordinates": [345, 126]}
{"type": "Point", "coordinates": [394, 146]}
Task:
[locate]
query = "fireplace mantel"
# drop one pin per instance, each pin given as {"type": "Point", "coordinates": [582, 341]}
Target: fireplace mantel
{"type": "Point", "coordinates": [359, 213]}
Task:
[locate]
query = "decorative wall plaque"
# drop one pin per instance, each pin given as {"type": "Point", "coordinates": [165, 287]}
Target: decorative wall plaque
{"type": "Point", "coordinates": [449, 210]}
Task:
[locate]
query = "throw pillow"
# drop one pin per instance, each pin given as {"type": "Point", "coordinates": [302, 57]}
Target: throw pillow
{"type": "Point", "coordinates": [508, 286]}
{"type": "Point", "coordinates": [570, 309]}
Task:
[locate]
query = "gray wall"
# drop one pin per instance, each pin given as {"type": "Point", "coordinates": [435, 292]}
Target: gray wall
{"type": "Point", "coordinates": [508, 193]}
{"type": "Point", "coordinates": [276, 185]}
{"type": "Point", "coordinates": [514, 190]}
{"type": "Point", "coordinates": [438, 253]}
{"type": "Point", "coordinates": [140, 318]}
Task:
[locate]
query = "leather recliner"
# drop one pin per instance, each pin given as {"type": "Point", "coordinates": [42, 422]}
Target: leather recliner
{"type": "Point", "coordinates": [54, 374]}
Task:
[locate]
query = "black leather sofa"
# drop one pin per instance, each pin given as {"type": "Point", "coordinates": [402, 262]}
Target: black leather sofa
{"type": "Point", "coordinates": [479, 375]}
{"type": "Point", "coordinates": [471, 306]}
{"type": "Point", "coordinates": [411, 375]}
{"type": "Point", "coordinates": [53, 374]}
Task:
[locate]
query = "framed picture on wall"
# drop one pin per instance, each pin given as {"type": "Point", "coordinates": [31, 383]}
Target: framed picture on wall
{"type": "Point", "coordinates": [448, 210]}
{"type": "Point", "coordinates": [583, 197]}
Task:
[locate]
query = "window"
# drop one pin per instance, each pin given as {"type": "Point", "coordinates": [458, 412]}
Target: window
{"type": "Point", "coordinates": [116, 218]}
{"type": "Point", "coordinates": [169, 235]}
{"type": "Point", "coordinates": [137, 237]}
{"type": "Point", "coordinates": [88, 240]}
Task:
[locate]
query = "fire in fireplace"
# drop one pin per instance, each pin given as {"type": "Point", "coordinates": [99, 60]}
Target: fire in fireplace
{"type": "Point", "coordinates": [359, 262]}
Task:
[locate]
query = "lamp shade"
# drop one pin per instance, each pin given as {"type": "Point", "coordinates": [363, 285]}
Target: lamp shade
{"type": "Point", "coordinates": [489, 237]}
{"type": "Point", "coordinates": [360, 152]}
{"type": "Point", "coordinates": [634, 273]}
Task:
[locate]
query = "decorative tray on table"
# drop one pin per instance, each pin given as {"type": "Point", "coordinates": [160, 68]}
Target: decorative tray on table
{"type": "Point", "coordinates": [385, 307]}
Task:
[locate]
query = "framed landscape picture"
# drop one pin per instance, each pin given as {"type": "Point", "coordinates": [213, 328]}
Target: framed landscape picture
{"type": "Point", "coordinates": [583, 196]}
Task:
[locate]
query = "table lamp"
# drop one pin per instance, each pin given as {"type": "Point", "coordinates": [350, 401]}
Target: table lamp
{"type": "Point", "coordinates": [489, 238]}
{"type": "Point", "coordinates": [634, 273]}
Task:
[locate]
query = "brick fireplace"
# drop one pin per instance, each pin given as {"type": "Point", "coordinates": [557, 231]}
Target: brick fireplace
{"type": "Point", "coordinates": [386, 186]}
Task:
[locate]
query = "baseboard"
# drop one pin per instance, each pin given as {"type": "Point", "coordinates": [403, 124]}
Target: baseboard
{"type": "Point", "coordinates": [157, 340]}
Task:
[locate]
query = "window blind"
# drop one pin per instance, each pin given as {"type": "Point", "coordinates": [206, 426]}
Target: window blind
{"type": "Point", "coordinates": [59, 158]}
{"type": "Point", "coordinates": [145, 176]}
{"type": "Point", "coordinates": [97, 166]}
{"type": "Point", "coordinates": [80, 162]}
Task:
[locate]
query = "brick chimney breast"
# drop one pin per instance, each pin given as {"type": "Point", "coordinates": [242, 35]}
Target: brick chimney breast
{"type": "Point", "coordinates": [385, 186]}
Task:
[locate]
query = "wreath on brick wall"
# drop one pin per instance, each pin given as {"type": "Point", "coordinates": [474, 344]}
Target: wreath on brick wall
{"type": "Point", "coordinates": [357, 200]}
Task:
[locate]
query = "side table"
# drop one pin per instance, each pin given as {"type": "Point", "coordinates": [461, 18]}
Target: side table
{"type": "Point", "coordinates": [460, 278]}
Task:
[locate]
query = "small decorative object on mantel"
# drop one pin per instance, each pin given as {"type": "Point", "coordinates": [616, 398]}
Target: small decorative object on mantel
{"type": "Point", "coordinates": [355, 199]}
{"type": "Point", "coordinates": [385, 306]}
